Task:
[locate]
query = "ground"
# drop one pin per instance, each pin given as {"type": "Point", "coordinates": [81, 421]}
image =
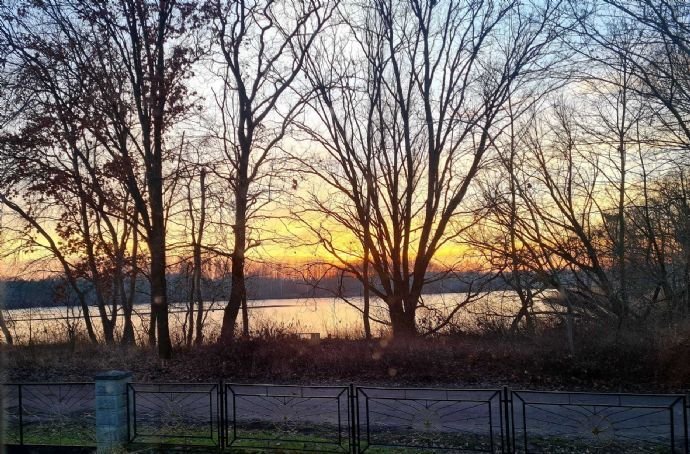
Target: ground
{"type": "Point", "coordinates": [451, 361]}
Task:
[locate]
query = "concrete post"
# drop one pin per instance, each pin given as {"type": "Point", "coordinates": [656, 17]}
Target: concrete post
{"type": "Point", "coordinates": [111, 410]}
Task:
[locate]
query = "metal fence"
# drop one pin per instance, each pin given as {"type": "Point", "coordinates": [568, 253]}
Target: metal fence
{"type": "Point", "coordinates": [52, 414]}
{"type": "Point", "coordinates": [598, 422]}
{"type": "Point", "coordinates": [174, 414]}
{"type": "Point", "coordinates": [437, 419]}
{"type": "Point", "coordinates": [355, 419]}
{"type": "Point", "coordinates": [301, 418]}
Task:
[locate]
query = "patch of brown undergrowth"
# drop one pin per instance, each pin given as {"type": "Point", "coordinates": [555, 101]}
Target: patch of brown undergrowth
{"type": "Point", "coordinates": [604, 360]}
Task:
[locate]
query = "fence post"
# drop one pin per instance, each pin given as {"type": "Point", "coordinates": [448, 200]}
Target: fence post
{"type": "Point", "coordinates": [21, 414]}
{"type": "Point", "coordinates": [353, 404]}
{"type": "Point", "coordinates": [111, 410]}
{"type": "Point", "coordinates": [508, 420]}
{"type": "Point", "coordinates": [222, 422]}
{"type": "Point", "coordinates": [685, 424]}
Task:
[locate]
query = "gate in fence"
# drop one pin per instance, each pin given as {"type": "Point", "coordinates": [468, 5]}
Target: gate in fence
{"type": "Point", "coordinates": [354, 419]}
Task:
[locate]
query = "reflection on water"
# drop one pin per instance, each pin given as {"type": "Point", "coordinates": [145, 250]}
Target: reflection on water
{"type": "Point", "coordinates": [327, 316]}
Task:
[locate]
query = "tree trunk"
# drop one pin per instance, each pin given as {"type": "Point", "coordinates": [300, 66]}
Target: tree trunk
{"type": "Point", "coordinates": [127, 327]}
{"type": "Point", "coordinates": [238, 290]}
{"type": "Point", "coordinates": [237, 295]}
{"type": "Point", "coordinates": [245, 316]}
{"type": "Point", "coordinates": [5, 330]}
{"type": "Point", "coordinates": [402, 320]}
{"type": "Point", "coordinates": [153, 154]}
{"type": "Point", "coordinates": [159, 297]}
{"type": "Point", "coordinates": [188, 327]}
{"type": "Point", "coordinates": [523, 313]}
{"type": "Point", "coordinates": [152, 328]}
{"type": "Point", "coordinates": [87, 317]}
{"type": "Point", "coordinates": [198, 297]}
{"type": "Point", "coordinates": [620, 237]}
{"type": "Point", "coordinates": [128, 300]}
{"type": "Point", "coordinates": [108, 330]}
{"type": "Point", "coordinates": [199, 338]}
{"type": "Point", "coordinates": [366, 295]}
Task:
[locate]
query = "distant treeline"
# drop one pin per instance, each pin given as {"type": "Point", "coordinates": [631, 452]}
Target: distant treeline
{"type": "Point", "coordinates": [20, 293]}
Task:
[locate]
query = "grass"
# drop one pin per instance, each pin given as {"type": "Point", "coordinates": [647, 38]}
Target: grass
{"type": "Point", "coordinates": [570, 446]}
{"type": "Point", "coordinates": [66, 434]}
{"type": "Point", "coordinates": [604, 362]}
{"type": "Point", "coordinates": [182, 435]}
{"type": "Point", "coordinates": [307, 437]}
{"type": "Point", "coordinates": [416, 442]}
{"type": "Point", "coordinates": [310, 439]}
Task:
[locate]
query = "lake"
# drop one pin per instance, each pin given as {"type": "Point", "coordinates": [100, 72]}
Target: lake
{"type": "Point", "coordinates": [326, 316]}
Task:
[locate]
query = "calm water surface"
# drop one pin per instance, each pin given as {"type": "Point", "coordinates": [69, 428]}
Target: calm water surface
{"type": "Point", "coordinates": [326, 316]}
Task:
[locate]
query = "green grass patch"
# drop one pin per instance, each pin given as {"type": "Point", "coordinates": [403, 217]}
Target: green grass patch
{"type": "Point", "coordinates": [178, 435]}
{"type": "Point", "coordinates": [558, 445]}
{"type": "Point", "coordinates": [76, 434]}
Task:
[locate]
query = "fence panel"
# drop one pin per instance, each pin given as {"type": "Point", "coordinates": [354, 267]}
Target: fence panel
{"type": "Point", "coordinates": [13, 422]}
{"type": "Point", "coordinates": [183, 414]}
{"type": "Point", "coordinates": [53, 414]}
{"type": "Point", "coordinates": [355, 419]}
{"type": "Point", "coordinates": [597, 422]}
{"type": "Point", "coordinates": [424, 420]}
{"type": "Point", "coordinates": [300, 418]}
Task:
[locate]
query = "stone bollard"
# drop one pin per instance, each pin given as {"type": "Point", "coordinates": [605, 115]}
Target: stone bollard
{"type": "Point", "coordinates": [111, 410]}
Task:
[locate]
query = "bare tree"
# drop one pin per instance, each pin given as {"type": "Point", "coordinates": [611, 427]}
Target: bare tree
{"type": "Point", "coordinates": [117, 91]}
{"type": "Point", "coordinates": [657, 52]}
{"type": "Point", "coordinates": [264, 46]}
{"type": "Point", "coordinates": [498, 236]}
{"type": "Point", "coordinates": [150, 42]}
{"type": "Point", "coordinates": [405, 122]}
{"type": "Point", "coordinates": [197, 225]}
{"type": "Point", "coordinates": [52, 162]}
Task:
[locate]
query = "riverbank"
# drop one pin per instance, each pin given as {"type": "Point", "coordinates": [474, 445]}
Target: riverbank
{"type": "Point", "coordinates": [621, 364]}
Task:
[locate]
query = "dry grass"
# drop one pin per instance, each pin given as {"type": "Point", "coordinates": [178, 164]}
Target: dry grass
{"type": "Point", "coordinates": [604, 361]}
